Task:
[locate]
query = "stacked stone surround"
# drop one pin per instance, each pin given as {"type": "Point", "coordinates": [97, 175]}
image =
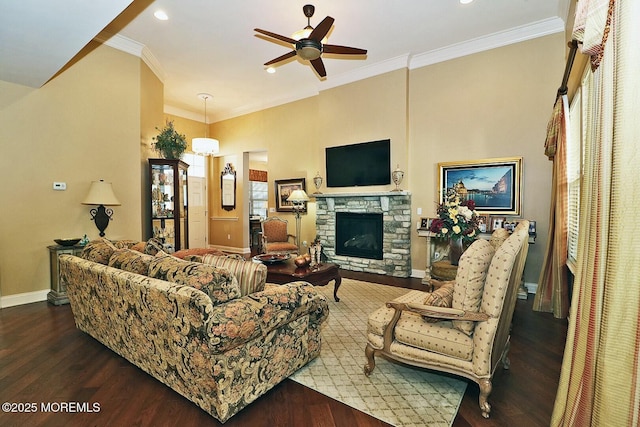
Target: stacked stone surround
{"type": "Point", "coordinates": [396, 210]}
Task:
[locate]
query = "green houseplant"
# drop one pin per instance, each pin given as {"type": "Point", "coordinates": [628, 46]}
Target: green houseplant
{"type": "Point", "coordinates": [169, 143]}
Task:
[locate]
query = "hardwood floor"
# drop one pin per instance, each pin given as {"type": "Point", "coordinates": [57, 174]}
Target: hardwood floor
{"type": "Point", "coordinates": [46, 361]}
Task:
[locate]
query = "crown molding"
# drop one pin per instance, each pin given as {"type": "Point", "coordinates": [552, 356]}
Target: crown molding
{"type": "Point", "coordinates": [492, 41]}
{"type": "Point", "coordinates": [132, 47]}
{"type": "Point", "coordinates": [365, 72]}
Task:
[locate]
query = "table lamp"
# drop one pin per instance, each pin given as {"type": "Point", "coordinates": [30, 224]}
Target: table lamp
{"type": "Point", "coordinates": [101, 194]}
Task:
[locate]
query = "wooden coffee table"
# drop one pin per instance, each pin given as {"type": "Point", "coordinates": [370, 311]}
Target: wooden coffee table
{"type": "Point", "coordinates": [317, 275]}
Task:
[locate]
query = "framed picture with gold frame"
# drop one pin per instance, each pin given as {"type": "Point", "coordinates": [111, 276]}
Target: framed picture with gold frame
{"type": "Point", "coordinates": [495, 185]}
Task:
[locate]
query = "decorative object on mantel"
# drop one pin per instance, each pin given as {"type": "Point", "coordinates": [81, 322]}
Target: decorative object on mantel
{"type": "Point", "coordinates": [457, 222]}
{"type": "Point", "coordinates": [101, 194]}
{"type": "Point", "coordinates": [298, 198]}
{"type": "Point", "coordinates": [169, 143]}
{"type": "Point", "coordinates": [397, 176]}
{"type": "Point", "coordinates": [317, 181]}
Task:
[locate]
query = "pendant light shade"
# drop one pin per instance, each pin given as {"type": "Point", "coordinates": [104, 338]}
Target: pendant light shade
{"type": "Point", "coordinates": [205, 146]}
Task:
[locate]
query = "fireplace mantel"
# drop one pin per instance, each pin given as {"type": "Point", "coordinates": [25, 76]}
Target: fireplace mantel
{"type": "Point", "coordinates": [373, 194]}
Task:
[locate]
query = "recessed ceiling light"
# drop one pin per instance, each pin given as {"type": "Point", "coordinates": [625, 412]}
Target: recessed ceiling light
{"type": "Point", "coordinates": [271, 70]}
{"type": "Point", "coordinates": [465, 1]}
{"type": "Point", "coordinates": [161, 15]}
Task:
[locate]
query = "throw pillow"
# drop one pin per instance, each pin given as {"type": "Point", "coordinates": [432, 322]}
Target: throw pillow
{"type": "Point", "coordinates": [441, 297]}
{"type": "Point", "coordinates": [469, 283]}
{"type": "Point", "coordinates": [183, 253]}
{"type": "Point", "coordinates": [98, 250]}
{"type": "Point", "coordinates": [153, 246]}
{"type": "Point", "coordinates": [130, 260]}
{"type": "Point", "coordinates": [219, 284]}
{"type": "Point", "coordinates": [139, 246]}
{"type": "Point", "coordinates": [251, 276]}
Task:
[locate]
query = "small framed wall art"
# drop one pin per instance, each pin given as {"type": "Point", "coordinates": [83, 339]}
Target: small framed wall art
{"type": "Point", "coordinates": [284, 188]}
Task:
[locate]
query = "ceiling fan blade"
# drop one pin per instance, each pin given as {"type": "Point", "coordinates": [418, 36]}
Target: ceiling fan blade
{"type": "Point", "coordinates": [281, 58]}
{"type": "Point", "coordinates": [322, 29]}
{"type": "Point", "coordinates": [343, 50]}
{"type": "Point", "coordinates": [318, 65]}
{"type": "Point", "coordinates": [275, 36]}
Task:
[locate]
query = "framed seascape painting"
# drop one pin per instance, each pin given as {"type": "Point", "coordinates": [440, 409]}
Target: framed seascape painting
{"type": "Point", "coordinates": [284, 188]}
{"type": "Point", "coordinates": [495, 185]}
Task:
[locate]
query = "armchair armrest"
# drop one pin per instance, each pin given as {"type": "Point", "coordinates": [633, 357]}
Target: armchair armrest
{"type": "Point", "coordinates": [439, 312]}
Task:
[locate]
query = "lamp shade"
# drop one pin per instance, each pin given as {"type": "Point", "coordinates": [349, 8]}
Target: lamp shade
{"type": "Point", "coordinates": [205, 146]}
{"type": "Point", "coordinates": [298, 196]}
{"type": "Point", "coordinates": [101, 193]}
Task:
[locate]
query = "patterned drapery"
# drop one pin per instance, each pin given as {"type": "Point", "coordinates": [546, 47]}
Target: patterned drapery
{"type": "Point", "coordinates": [553, 285]}
{"type": "Point", "coordinates": [600, 378]}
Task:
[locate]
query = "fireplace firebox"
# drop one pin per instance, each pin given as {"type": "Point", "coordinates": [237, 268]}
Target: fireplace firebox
{"type": "Point", "coordinates": [359, 235]}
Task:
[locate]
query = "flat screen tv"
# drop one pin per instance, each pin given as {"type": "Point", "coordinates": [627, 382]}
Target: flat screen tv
{"type": "Point", "coordinates": [355, 165]}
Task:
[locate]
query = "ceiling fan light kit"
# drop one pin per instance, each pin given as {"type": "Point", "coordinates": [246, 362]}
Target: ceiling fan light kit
{"type": "Point", "coordinates": [309, 44]}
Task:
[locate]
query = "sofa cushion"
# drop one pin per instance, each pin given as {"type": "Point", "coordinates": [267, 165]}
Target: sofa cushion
{"type": "Point", "coordinates": [469, 283]}
{"type": "Point", "coordinates": [98, 250]}
{"type": "Point", "coordinates": [251, 275]}
{"type": "Point", "coordinates": [219, 284]}
{"type": "Point", "coordinates": [124, 243]}
{"type": "Point", "coordinates": [130, 260]}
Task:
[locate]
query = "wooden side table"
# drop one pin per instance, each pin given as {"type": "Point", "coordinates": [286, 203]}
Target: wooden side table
{"type": "Point", "coordinates": [58, 293]}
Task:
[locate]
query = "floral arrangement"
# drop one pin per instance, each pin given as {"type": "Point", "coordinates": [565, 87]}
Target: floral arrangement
{"type": "Point", "coordinates": [169, 142]}
{"type": "Point", "coordinates": [456, 219]}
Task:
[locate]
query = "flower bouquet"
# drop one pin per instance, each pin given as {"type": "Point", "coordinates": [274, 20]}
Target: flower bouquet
{"type": "Point", "coordinates": [457, 222]}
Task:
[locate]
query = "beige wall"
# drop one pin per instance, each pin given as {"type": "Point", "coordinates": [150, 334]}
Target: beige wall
{"type": "Point", "coordinates": [83, 125]}
{"type": "Point", "coordinates": [491, 104]}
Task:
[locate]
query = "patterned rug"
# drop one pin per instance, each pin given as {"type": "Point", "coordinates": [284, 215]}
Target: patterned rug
{"type": "Point", "coordinates": [396, 394]}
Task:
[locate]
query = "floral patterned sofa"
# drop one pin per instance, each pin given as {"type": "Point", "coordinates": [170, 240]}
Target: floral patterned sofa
{"type": "Point", "coordinates": [189, 325]}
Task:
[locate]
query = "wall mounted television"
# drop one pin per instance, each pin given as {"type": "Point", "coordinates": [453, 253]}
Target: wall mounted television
{"type": "Point", "coordinates": [355, 165]}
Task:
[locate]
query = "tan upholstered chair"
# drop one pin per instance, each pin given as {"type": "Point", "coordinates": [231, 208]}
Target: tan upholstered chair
{"type": "Point", "coordinates": [275, 237]}
{"type": "Point", "coordinates": [470, 336]}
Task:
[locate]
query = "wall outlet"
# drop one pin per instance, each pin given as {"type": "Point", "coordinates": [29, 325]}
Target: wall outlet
{"type": "Point", "coordinates": [228, 236]}
{"type": "Point", "coordinates": [419, 211]}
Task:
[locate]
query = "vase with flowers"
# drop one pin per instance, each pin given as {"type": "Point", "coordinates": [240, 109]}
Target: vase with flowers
{"type": "Point", "coordinates": [457, 222]}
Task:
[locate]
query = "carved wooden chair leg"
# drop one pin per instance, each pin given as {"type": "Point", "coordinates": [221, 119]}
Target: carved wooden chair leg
{"type": "Point", "coordinates": [485, 391]}
{"type": "Point", "coordinates": [371, 363]}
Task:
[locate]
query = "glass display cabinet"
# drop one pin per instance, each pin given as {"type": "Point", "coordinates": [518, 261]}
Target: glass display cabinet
{"type": "Point", "coordinates": [169, 208]}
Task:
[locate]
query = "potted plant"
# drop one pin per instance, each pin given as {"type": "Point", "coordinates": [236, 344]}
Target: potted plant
{"type": "Point", "coordinates": [169, 143]}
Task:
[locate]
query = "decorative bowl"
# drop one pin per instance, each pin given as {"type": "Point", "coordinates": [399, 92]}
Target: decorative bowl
{"type": "Point", "coordinates": [271, 258]}
{"type": "Point", "coordinates": [67, 241]}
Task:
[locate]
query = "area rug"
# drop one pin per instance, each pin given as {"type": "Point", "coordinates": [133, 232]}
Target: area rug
{"type": "Point", "coordinates": [396, 394]}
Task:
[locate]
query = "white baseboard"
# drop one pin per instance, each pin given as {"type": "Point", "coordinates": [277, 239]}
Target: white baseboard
{"type": "Point", "coordinates": [25, 298]}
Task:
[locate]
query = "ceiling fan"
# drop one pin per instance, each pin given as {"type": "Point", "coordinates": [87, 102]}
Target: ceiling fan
{"type": "Point", "coordinates": [310, 47]}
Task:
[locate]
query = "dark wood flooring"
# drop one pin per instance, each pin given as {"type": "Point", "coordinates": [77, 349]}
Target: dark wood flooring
{"type": "Point", "coordinates": [45, 362]}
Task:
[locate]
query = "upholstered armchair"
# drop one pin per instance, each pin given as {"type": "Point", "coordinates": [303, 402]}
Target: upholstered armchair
{"type": "Point", "coordinates": [275, 237]}
{"type": "Point", "coordinates": [462, 327]}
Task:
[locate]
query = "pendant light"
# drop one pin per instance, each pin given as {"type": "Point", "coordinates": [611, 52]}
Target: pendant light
{"type": "Point", "coordinates": [205, 146]}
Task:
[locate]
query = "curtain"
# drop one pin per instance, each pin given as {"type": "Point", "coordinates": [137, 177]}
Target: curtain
{"type": "Point", "coordinates": [600, 377]}
{"type": "Point", "coordinates": [553, 286]}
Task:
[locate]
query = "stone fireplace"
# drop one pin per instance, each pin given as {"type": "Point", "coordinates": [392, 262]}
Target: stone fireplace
{"type": "Point", "coordinates": [369, 232]}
